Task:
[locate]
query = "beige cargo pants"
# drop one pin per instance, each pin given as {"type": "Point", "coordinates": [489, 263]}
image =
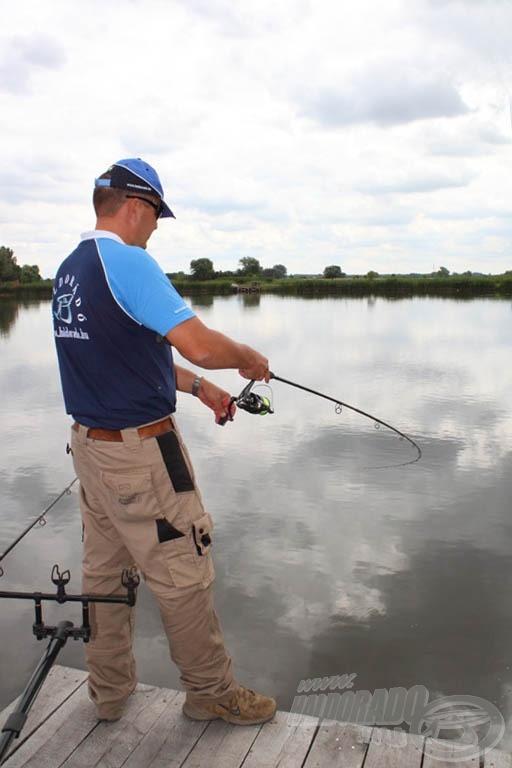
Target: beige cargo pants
{"type": "Point", "coordinates": [140, 507]}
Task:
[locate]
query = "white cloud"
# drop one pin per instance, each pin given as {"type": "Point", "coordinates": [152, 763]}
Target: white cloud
{"type": "Point", "coordinates": [23, 56]}
{"type": "Point", "coordinates": [302, 133]}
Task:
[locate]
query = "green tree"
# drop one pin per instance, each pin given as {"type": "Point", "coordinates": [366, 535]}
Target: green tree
{"type": "Point", "coordinates": [202, 269]}
{"type": "Point", "coordinates": [30, 273]}
{"type": "Point", "coordinates": [249, 266]}
{"type": "Point", "coordinates": [333, 271]}
{"type": "Point", "coordinates": [277, 271]}
{"type": "Point", "coordinates": [9, 269]}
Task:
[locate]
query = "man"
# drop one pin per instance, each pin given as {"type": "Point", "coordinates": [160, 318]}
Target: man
{"type": "Point", "coordinates": [116, 319]}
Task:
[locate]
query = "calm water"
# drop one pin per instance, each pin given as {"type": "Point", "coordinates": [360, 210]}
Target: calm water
{"type": "Point", "coordinates": [325, 566]}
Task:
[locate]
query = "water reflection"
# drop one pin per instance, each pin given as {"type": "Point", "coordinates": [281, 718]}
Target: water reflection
{"type": "Point", "coordinates": [200, 301]}
{"type": "Point", "coordinates": [452, 596]}
{"type": "Point", "coordinates": [8, 314]}
{"type": "Point", "coordinates": [250, 300]}
{"type": "Point", "coordinates": [324, 566]}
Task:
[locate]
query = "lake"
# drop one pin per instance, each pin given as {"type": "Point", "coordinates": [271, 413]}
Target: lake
{"type": "Point", "coordinates": [333, 554]}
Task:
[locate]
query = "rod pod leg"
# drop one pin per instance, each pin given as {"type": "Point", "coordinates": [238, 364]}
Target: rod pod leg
{"type": "Point", "coordinates": [16, 720]}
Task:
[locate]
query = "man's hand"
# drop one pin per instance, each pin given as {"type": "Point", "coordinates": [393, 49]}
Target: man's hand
{"type": "Point", "coordinates": [217, 399]}
{"type": "Point", "coordinates": [258, 369]}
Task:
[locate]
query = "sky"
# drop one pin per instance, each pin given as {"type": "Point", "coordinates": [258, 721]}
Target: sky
{"type": "Point", "coordinates": [369, 135]}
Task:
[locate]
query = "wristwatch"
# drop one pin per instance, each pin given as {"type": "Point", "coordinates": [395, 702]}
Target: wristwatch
{"type": "Point", "coordinates": [196, 384]}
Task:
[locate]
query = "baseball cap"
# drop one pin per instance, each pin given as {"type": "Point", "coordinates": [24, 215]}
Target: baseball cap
{"type": "Point", "coordinates": [138, 176]}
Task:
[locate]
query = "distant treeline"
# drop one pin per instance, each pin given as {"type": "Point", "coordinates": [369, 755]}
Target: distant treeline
{"type": "Point", "coordinates": [390, 286]}
{"type": "Point", "coordinates": [42, 289]}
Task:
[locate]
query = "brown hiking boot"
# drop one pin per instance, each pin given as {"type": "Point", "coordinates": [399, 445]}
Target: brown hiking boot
{"type": "Point", "coordinates": [243, 708]}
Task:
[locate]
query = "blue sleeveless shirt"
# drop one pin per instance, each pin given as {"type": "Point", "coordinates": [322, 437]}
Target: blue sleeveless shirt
{"type": "Point", "coordinates": [112, 306]}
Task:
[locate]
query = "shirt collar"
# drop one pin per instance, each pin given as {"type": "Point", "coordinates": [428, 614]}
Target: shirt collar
{"type": "Point", "coordinates": [95, 234]}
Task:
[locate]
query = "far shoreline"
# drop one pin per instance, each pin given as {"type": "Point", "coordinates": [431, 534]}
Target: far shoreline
{"type": "Point", "coordinates": [454, 286]}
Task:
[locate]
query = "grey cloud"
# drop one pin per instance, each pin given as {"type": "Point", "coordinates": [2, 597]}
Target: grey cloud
{"type": "Point", "coordinates": [491, 135]}
{"type": "Point", "coordinates": [456, 147]}
{"type": "Point", "coordinates": [478, 29]}
{"type": "Point", "coordinates": [466, 3]}
{"type": "Point", "coordinates": [385, 94]}
{"type": "Point", "coordinates": [40, 178]}
{"type": "Point", "coordinates": [24, 55]}
{"type": "Point", "coordinates": [472, 214]}
{"type": "Point", "coordinates": [414, 185]}
{"type": "Point", "coordinates": [220, 12]}
{"type": "Point", "coordinates": [386, 220]}
{"type": "Point", "coordinates": [218, 206]}
{"type": "Point", "coordinates": [238, 21]}
{"type": "Point", "coordinates": [468, 141]}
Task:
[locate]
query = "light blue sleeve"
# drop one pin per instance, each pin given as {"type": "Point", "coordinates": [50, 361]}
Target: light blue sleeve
{"type": "Point", "coordinates": [141, 287]}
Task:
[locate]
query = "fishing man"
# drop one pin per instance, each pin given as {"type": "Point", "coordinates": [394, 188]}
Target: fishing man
{"type": "Point", "coordinates": [116, 318]}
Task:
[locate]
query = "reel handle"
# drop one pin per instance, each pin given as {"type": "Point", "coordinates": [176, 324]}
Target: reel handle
{"type": "Point", "coordinates": [229, 416]}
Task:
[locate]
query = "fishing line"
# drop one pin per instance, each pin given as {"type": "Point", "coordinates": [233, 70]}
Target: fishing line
{"type": "Point", "coordinates": [339, 405]}
{"type": "Point", "coordinates": [39, 519]}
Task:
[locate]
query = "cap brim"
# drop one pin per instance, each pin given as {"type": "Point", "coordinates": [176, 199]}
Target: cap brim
{"type": "Point", "coordinates": [166, 211]}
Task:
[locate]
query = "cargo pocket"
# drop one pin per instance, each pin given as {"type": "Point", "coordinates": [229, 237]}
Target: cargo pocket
{"type": "Point", "coordinates": [189, 558]}
{"type": "Point", "coordinates": [132, 495]}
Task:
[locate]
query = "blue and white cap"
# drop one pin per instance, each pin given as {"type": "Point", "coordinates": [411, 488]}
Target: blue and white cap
{"type": "Point", "coordinates": [137, 176]}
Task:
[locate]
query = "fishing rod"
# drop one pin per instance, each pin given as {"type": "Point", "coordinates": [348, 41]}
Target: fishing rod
{"type": "Point", "coordinates": [339, 405]}
{"type": "Point", "coordinates": [39, 519]}
{"type": "Point", "coordinates": [260, 404]}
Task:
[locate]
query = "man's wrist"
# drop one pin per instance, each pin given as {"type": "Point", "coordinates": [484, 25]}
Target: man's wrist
{"type": "Point", "coordinates": [195, 385]}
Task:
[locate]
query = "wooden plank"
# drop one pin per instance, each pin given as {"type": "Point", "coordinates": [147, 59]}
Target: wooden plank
{"type": "Point", "coordinates": [222, 746]}
{"type": "Point", "coordinates": [280, 743]}
{"type": "Point", "coordinates": [169, 740]}
{"type": "Point", "coordinates": [392, 749]}
{"type": "Point", "coordinates": [63, 732]}
{"type": "Point", "coordinates": [447, 755]}
{"type": "Point", "coordinates": [111, 743]}
{"type": "Point", "coordinates": [495, 758]}
{"type": "Point", "coordinates": [338, 744]}
{"type": "Point", "coordinates": [61, 683]}
{"type": "Point", "coordinates": [59, 735]}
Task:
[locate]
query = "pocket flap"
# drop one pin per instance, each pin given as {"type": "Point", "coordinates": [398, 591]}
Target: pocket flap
{"type": "Point", "coordinates": [202, 530]}
{"type": "Point", "coordinates": [127, 486]}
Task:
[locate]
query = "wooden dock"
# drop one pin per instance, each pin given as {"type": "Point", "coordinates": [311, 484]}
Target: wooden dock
{"type": "Point", "coordinates": [62, 731]}
{"type": "Point", "coordinates": [253, 287]}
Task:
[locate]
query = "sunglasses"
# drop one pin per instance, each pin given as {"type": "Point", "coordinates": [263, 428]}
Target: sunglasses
{"type": "Point", "coordinates": [157, 207]}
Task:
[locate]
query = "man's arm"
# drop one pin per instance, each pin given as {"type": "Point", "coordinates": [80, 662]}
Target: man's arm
{"type": "Point", "coordinates": [213, 350]}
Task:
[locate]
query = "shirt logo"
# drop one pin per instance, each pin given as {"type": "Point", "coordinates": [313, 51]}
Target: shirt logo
{"type": "Point", "coordinates": [66, 308]}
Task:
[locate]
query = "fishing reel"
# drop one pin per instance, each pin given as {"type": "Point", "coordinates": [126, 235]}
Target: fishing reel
{"type": "Point", "coordinates": [250, 402]}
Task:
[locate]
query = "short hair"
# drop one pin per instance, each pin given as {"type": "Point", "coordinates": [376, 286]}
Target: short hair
{"type": "Point", "coordinates": [107, 200]}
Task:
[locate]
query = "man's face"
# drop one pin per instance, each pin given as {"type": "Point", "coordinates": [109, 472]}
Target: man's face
{"type": "Point", "coordinates": [149, 211]}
